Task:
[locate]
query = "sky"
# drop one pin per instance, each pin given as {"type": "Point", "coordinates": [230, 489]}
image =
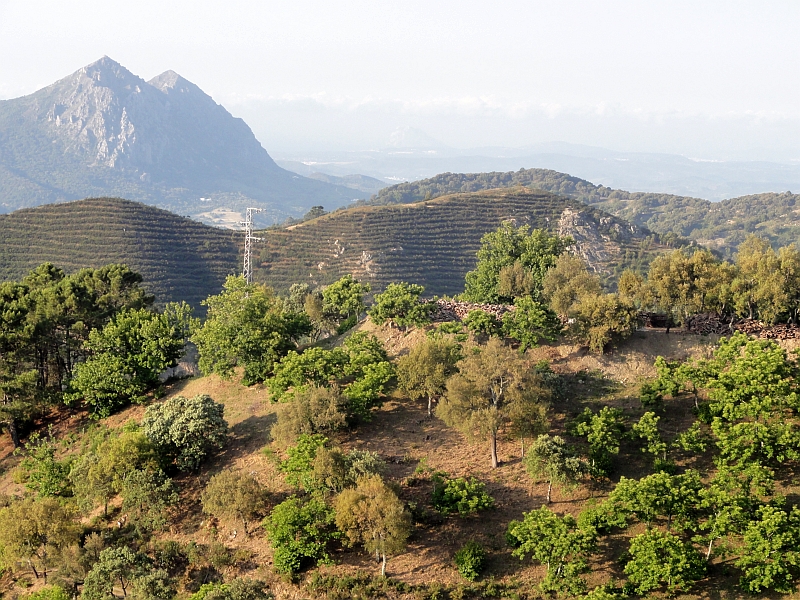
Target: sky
{"type": "Point", "coordinates": [713, 80]}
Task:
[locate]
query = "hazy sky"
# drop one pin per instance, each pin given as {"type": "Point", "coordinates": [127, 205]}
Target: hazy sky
{"type": "Point", "coordinates": [707, 79]}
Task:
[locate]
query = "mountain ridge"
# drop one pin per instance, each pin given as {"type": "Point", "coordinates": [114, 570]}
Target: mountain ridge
{"type": "Point", "coordinates": [103, 131]}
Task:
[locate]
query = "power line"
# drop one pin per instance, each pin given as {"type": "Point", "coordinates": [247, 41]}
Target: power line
{"type": "Point", "coordinates": [247, 271]}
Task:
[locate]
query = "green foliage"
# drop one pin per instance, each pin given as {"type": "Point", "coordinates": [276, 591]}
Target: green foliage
{"type": "Point", "coordinates": [530, 322]}
{"type": "Point", "coordinates": [186, 430]}
{"type": "Point", "coordinates": [314, 410]}
{"type": "Point", "coordinates": [400, 305]}
{"type": "Point", "coordinates": [470, 560]}
{"type": "Point", "coordinates": [237, 589]}
{"type": "Point", "coordinates": [233, 496]}
{"type": "Point", "coordinates": [770, 558]}
{"type": "Point", "coordinates": [246, 327]}
{"type": "Point", "coordinates": [646, 430]}
{"type": "Point", "coordinates": [493, 386]}
{"type": "Point", "coordinates": [481, 322]}
{"type": "Point", "coordinates": [335, 470]}
{"type": "Point", "coordinates": [660, 559]}
{"type": "Point", "coordinates": [300, 531]}
{"type": "Point", "coordinates": [50, 592]}
{"type": "Point", "coordinates": [603, 319]}
{"type": "Point", "coordinates": [345, 298]}
{"type": "Point", "coordinates": [535, 251]}
{"type": "Point", "coordinates": [460, 495]}
{"type": "Point", "coordinates": [36, 531]}
{"type": "Point", "coordinates": [603, 431]}
{"type": "Point", "coordinates": [551, 458]}
{"type": "Point", "coordinates": [361, 369]}
{"type": "Point", "coordinates": [372, 515]}
{"type": "Point", "coordinates": [556, 542]}
{"type": "Point", "coordinates": [423, 372]}
{"type": "Point", "coordinates": [128, 355]}
{"type": "Point", "coordinates": [146, 497]}
{"type": "Point", "coordinates": [42, 473]}
{"type": "Point", "coordinates": [299, 466]}
{"type": "Point", "coordinates": [660, 495]}
{"type": "Point", "coordinates": [131, 571]}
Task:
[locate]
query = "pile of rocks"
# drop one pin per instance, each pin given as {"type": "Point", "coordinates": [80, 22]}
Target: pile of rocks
{"type": "Point", "coordinates": [452, 310]}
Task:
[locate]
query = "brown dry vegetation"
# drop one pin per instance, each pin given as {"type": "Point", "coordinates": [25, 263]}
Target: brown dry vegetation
{"type": "Point", "coordinates": [403, 435]}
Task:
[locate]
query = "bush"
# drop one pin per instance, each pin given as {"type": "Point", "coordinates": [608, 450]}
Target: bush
{"type": "Point", "coordinates": [237, 589]}
{"type": "Point", "coordinates": [185, 431]}
{"type": "Point", "coordinates": [299, 466]}
{"type": "Point", "coordinates": [51, 592]}
{"type": "Point", "coordinates": [478, 321]}
{"type": "Point", "coordinates": [335, 471]}
{"type": "Point", "coordinates": [313, 410]}
{"type": "Point", "coordinates": [233, 495]}
{"type": "Point", "coordinates": [299, 531]}
{"type": "Point", "coordinates": [464, 496]}
{"type": "Point", "coordinates": [470, 560]}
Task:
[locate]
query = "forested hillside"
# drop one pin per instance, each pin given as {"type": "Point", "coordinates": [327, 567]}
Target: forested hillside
{"type": "Point", "coordinates": [434, 242]}
{"type": "Point", "coordinates": [720, 225]}
{"type": "Point", "coordinates": [180, 259]}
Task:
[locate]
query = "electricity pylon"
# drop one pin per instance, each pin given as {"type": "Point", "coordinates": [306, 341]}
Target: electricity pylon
{"type": "Point", "coordinates": [247, 272]}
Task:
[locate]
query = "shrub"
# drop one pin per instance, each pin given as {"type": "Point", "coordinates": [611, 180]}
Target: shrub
{"type": "Point", "coordinates": [233, 495]}
{"type": "Point", "coordinates": [186, 430]}
{"type": "Point", "coordinates": [470, 560]}
{"type": "Point", "coordinates": [478, 321]}
{"type": "Point", "coordinates": [238, 589]}
{"type": "Point", "coordinates": [335, 471]}
{"type": "Point", "coordinates": [299, 466]}
{"type": "Point", "coordinates": [464, 496]}
{"type": "Point", "coordinates": [51, 592]}
{"type": "Point", "coordinates": [314, 410]}
{"type": "Point", "coordinates": [299, 531]}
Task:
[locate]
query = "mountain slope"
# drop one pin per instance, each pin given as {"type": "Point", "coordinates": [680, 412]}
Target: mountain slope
{"type": "Point", "coordinates": [434, 242]}
{"type": "Point", "coordinates": [105, 131]}
{"type": "Point", "coordinates": [180, 259]}
{"type": "Point", "coordinates": [721, 225]}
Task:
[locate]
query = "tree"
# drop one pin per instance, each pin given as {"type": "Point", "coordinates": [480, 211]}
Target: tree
{"type": "Point", "coordinates": [567, 282]}
{"type": "Point", "coordinates": [481, 396]}
{"type": "Point", "coordinates": [128, 355]}
{"type": "Point", "coordinates": [238, 589]}
{"type": "Point", "coordinates": [146, 497]}
{"type": "Point", "coordinates": [603, 431]}
{"type": "Point", "coordinates": [423, 372]}
{"type": "Point", "coordinates": [399, 305]}
{"type": "Point", "coordinates": [233, 495]}
{"type": "Point", "coordinates": [115, 566]}
{"type": "Point", "coordinates": [98, 473]}
{"type": "Point", "coordinates": [247, 327]}
{"type": "Point", "coordinates": [658, 558]}
{"type": "Point", "coordinates": [313, 410]}
{"type": "Point", "coordinates": [646, 429]}
{"type": "Point", "coordinates": [36, 531]}
{"type": "Point", "coordinates": [600, 320]}
{"type": "Point", "coordinates": [550, 458]}
{"type": "Point", "coordinates": [299, 466]}
{"type": "Point", "coordinates": [460, 495]}
{"type": "Point", "coordinates": [334, 470]}
{"type": "Point", "coordinates": [556, 542]}
{"type": "Point", "coordinates": [480, 322]}
{"type": "Point", "coordinates": [300, 531]}
{"type": "Point", "coordinates": [530, 322]}
{"type": "Point", "coordinates": [372, 515]}
{"type": "Point", "coordinates": [185, 430]}
{"type": "Point", "coordinates": [535, 251]}
{"type": "Point", "coordinates": [43, 473]}
{"type": "Point", "coordinates": [344, 298]}
{"type": "Point", "coordinates": [313, 367]}
{"type": "Point", "coordinates": [674, 497]}
{"type": "Point", "coordinates": [770, 558]}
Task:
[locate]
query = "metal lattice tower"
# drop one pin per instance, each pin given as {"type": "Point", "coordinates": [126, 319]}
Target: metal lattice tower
{"type": "Point", "coordinates": [247, 272]}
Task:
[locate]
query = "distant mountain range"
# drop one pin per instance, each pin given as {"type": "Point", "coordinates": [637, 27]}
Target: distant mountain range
{"type": "Point", "coordinates": [104, 131]}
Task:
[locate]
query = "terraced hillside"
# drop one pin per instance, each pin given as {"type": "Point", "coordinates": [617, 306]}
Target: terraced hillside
{"type": "Point", "coordinates": [180, 259]}
{"type": "Point", "coordinates": [434, 242]}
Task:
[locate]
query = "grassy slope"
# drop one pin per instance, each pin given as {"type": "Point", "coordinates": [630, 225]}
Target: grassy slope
{"type": "Point", "coordinates": [433, 242]}
{"type": "Point", "coordinates": [401, 434]}
{"type": "Point", "coordinates": [179, 259]}
{"type": "Point", "coordinates": [721, 225]}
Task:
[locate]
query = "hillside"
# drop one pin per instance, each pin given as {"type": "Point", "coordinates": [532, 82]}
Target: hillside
{"type": "Point", "coordinates": [104, 131]}
{"type": "Point", "coordinates": [180, 259]}
{"type": "Point", "coordinates": [434, 242]}
{"type": "Point", "coordinates": [720, 225]}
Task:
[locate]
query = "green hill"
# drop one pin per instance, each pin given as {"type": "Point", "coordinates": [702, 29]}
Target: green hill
{"type": "Point", "coordinates": [719, 225]}
{"type": "Point", "coordinates": [180, 259]}
{"type": "Point", "coordinates": [434, 242]}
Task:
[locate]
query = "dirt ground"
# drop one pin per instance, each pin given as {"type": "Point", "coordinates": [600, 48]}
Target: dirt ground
{"type": "Point", "coordinates": [403, 435]}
